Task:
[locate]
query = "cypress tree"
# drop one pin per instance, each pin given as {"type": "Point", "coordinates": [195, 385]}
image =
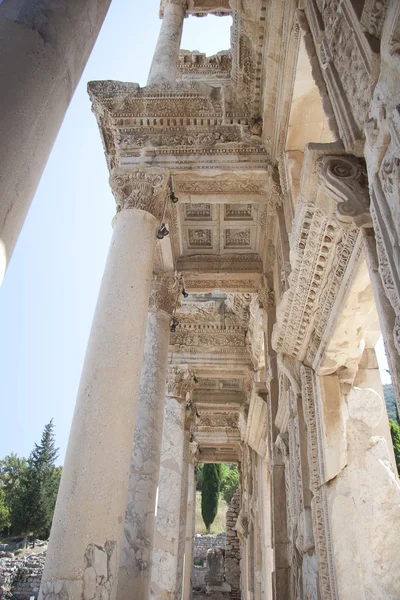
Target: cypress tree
{"type": "Point", "coordinates": [210, 493]}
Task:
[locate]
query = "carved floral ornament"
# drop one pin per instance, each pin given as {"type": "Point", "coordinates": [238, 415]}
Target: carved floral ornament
{"type": "Point", "coordinates": [143, 189]}
{"type": "Point", "coordinates": [345, 181]}
{"type": "Point", "coordinates": [164, 293]}
{"type": "Point", "coordinates": [180, 382]}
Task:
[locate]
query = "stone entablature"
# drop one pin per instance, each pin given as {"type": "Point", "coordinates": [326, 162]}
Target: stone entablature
{"type": "Point", "coordinates": [325, 254]}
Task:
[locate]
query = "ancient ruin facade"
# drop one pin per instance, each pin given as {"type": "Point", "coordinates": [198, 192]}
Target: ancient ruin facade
{"type": "Point", "coordinates": [254, 263]}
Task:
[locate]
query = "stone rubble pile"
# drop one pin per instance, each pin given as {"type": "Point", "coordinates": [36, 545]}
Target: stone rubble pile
{"type": "Point", "coordinates": [20, 576]}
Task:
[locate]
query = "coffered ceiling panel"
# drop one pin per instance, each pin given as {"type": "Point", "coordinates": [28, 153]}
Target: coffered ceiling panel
{"type": "Point", "coordinates": [220, 229]}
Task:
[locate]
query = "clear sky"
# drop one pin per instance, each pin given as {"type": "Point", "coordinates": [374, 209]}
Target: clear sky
{"type": "Point", "coordinates": [49, 293]}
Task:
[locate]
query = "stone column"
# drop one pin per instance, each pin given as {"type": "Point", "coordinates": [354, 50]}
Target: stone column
{"type": "Point", "coordinates": [165, 579]}
{"type": "Point", "coordinates": [44, 47]}
{"type": "Point", "coordinates": [137, 545]}
{"type": "Point", "coordinates": [279, 531]}
{"type": "Point", "coordinates": [165, 60]}
{"type": "Point", "coordinates": [83, 555]}
{"type": "Point", "coordinates": [190, 521]}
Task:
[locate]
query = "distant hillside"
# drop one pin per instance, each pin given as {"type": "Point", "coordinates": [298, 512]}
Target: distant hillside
{"type": "Point", "coordinates": [390, 402]}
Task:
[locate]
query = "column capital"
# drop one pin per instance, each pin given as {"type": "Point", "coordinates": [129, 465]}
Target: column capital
{"type": "Point", "coordinates": [345, 180]}
{"type": "Point", "coordinates": [180, 382]}
{"type": "Point", "coordinates": [164, 293]}
{"type": "Point", "coordinates": [266, 296]}
{"type": "Point", "coordinates": [144, 189]}
{"type": "Point", "coordinates": [163, 4]}
{"type": "Point", "coordinates": [193, 453]}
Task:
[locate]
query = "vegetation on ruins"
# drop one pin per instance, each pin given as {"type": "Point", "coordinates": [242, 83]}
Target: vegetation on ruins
{"type": "Point", "coordinates": [28, 488]}
{"type": "Point", "coordinates": [390, 400]}
{"type": "Point", "coordinates": [210, 493]}
{"type": "Point", "coordinates": [395, 433]}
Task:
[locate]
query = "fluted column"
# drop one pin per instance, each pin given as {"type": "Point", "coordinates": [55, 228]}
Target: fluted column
{"type": "Point", "coordinates": [164, 66]}
{"type": "Point", "coordinates": [84, 549]}
{"type": "Point", "coordinates": [44, 47]}
{"type": "Point", "coordinates": [190, 521]}
{"type": "Point", "coordinates": [165, 579]}
{"type": "Point", "coordinates": [137, 545]}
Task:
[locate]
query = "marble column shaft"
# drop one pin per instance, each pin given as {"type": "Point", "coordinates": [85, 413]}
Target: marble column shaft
{"type": "Point", "coordinates": [44, 47]}
{"type": "Point", "coordinates": [165, 581]}
{"type": "Point", "coordinates": [83, 555]}
{"type": "Point", "coordinates": [164, 66]}
{"type": "Point", "coordinates": [137, 546]}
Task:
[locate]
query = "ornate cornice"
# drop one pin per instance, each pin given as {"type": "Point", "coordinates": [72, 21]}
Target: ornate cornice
{"type": "Point", "coordinates": [325, 254]}
{"type": "Point", "coordinates": [344, 179]}
{"type": "Point", "coordinates": [180, 382]}
{"type": "Point", "coordinates": [164, 293]}
{"type": "Point", "coordinates": [143, 189]}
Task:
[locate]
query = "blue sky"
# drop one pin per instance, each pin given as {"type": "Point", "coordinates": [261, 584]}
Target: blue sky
{"type": "Point", "coordinates": [49, 293]}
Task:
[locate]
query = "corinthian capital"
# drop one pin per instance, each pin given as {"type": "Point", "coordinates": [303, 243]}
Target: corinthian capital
{"type": "Point", "coordinates": [180, 382]}
{"type": "Point", "coordinates": [345, 181]}
{"type": "Point", "coordinates": [164, 293]}
{"type": "Point", "coordinates": [144, 189]}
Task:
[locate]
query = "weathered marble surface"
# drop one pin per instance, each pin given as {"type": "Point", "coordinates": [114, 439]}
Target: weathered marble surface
{"type": "Point", "coordinates": [363, 502]}
{"type": "Point", "coordinates": [165, 580]}
{"type": "Point", "coordinates": [90, 511]}
{"type": "Point", "coordinates": [44, 48]}
{"type": "Point", "coordinates": [137, 545]}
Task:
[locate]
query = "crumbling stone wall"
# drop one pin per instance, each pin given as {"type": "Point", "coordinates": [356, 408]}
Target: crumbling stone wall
{"type": "Point", "coordinates": [232, 548]}
{"type": "Point", "coordinates": [20, 577]}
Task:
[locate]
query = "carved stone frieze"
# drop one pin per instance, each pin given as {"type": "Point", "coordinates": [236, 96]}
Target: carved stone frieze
{"type": "Point", "coordinates": [218, 420]}
{"type": "Point", "coordinates": [180, 381]}
{"type": "Point", "coordinates": [143, 189]}
{"type": "Point", "coordinates": [164, 293]}
{"type": "Point", "coordinates": [345, 180]}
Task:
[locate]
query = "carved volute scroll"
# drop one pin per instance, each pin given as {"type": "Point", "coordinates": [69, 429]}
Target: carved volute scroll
{"type": "Point", "coordinates": [144, 189]}
{"type": "Point", "coordinates": [180, 382]}
{"type": "Point", "coordinates": [193, 453]}
{"type": "Point", "coordinates": [164, 293]}
{"type": "Point", "coordinates": [345, 181]}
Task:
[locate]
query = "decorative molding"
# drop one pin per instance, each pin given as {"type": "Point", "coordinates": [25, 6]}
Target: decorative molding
{"type": "Point", "coordinates": [180, 382]}
{"type": "Point", "coordinates": [373, 16]}
{"type": "Point", "coordinates": [321, 521]}
{"type": "Point", "coordinates": [143, 189]}
{"type": "Point", "coordinates": [164, 293]}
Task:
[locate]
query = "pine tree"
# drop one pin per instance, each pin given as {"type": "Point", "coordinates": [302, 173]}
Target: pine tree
{"type": "Point", "coordinates": [39, 487]}
{"type": "Point", "coordinates": [210, 493]}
